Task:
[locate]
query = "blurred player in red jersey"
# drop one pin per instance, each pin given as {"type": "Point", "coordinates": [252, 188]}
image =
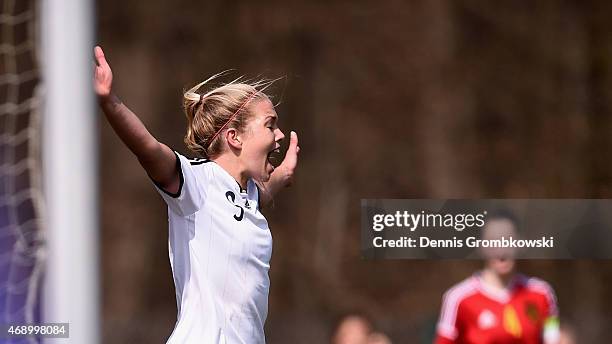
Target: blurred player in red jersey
{"type": "Point", "coordinates": [498, 305]}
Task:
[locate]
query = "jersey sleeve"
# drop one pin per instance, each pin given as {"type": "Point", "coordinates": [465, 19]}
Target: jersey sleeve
{"type": "Point", "coordinates": [551, 332]}
{"type": "Point", "coordinates": [551, 298]}
{"type": "Point", "coordinates": [191, 193]}
{"type": "Point", "coordinates": [446, 331]}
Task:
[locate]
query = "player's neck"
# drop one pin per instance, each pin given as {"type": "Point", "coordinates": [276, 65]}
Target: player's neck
{"type": "Point", "coordinates": [496, 280]}
{"type": "Point", "coordinates": [232, 166]}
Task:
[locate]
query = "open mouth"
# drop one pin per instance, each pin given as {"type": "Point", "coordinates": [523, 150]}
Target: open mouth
{"type": "Point", "coordinates": [273, 157]}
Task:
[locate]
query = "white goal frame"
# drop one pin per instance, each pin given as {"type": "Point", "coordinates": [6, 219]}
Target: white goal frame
{"type": "Point", "coordinates": [70, 169]}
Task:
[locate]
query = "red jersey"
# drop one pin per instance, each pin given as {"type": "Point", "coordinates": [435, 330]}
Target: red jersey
{"type": "Point", "coordinates": [474, 313]}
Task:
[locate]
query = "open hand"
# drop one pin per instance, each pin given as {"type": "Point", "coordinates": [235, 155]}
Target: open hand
{"type": "Point", "coordinates": [103, 75]}
{"type": "Point", "coordinates": [291, 159]}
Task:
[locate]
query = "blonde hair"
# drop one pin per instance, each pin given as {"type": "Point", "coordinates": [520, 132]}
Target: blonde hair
{"type": "Point", "coordinates": [212, 112]}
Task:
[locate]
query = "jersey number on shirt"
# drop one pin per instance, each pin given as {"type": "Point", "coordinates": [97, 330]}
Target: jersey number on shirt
{"type": "Point", "coordinates": [232, 197]}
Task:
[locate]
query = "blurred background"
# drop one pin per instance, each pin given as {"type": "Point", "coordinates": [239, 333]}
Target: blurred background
{"type": "Point", "coordinates": [391, 99]}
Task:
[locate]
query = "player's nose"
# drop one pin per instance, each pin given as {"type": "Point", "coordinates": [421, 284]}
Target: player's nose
{"type": "Point", "coordinates": [279, 136]}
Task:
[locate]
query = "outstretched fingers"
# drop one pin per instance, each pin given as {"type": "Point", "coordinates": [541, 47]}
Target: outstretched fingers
{"type": "Point", "coordinates": [103, 76]}
{"type": "Point", "coordinates": [291, 158]}
{"type": "Point", "coordinates": [100, 58]}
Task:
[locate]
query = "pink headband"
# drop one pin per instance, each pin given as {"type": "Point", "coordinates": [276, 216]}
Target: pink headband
{"type": "Point", "coordinates": [230, 119]}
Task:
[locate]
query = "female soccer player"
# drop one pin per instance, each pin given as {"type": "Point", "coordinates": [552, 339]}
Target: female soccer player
{"type": "Point", "coordinates": [219, 241]}
{"type": "Point", "coordinates": [498, 305]}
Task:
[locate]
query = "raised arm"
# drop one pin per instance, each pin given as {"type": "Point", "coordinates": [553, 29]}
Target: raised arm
{"type": "Point", "coordinates": [155, 157]}
{"type": "Point", "coordinates": [283, 175]}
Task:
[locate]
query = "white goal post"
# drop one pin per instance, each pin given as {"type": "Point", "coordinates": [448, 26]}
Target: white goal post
{"type": "Point", "coordinates": [70, 169]}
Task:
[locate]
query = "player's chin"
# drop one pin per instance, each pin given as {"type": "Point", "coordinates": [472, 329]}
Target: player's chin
{"type": "Point", "coordinates": [268, 169]}
{"type": "Point", "coordinates": [266, 172]}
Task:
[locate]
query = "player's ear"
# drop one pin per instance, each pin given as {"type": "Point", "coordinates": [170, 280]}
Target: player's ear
{"type": "Point", "coordinates": [233, 138]}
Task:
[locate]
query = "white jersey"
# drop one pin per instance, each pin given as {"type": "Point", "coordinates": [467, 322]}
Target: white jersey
{"type": "Point", "coordinates": [220, 248]}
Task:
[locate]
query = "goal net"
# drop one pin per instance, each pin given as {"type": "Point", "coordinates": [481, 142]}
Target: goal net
{"type": "Point", "coordinates": [21, 238]}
